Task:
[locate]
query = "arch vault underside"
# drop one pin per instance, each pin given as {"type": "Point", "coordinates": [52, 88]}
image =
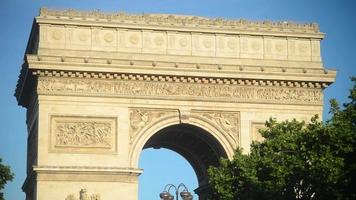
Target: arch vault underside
{"type": "Point", "coordinates": [99, 88]}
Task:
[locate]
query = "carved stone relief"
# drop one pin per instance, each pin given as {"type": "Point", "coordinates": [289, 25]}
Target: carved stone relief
{"type": "Point", "coordinates": [105, 37]}
{"type": "Point", "coordinates": [81, 36]}
{"type": "Point", "coordinates": [56, 34]}
{"type": "Point", "coordinates": [179, 43]}
{"type": "Point", "coordinates": [275, 48]}
{"type": "Point", "coordinates": [80, 134]}
{"type": "Point", "coordinates": [83, 195]}
{"type": "Point", "coordinates": [142, 117]}
{"type": "Point", "coordinates": [154, 40]}
{"type": "Point", "coordinates": [252, 47]}
{"type": "Point", "coordinates": [173, 90]}
{"type": "Point", "coordinates": [203, 45]}
{"type": "Point", "coordinates": [227, 121]}
{"type": "Point", "coordinates": [227, 45]}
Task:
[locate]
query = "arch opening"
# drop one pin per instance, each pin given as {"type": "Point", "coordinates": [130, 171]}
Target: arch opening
{"type": "Point", "coordinates": [200, 148]}
{"type": "Point", "coordinates": [162, 167]}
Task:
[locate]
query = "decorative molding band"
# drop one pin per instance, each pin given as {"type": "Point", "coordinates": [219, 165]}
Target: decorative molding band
{"type": "Point", "coordinates": [254, 92]}
{"type": "Point", "coordinates": [179, 21]}
{"type": "Point", "coordinates": [87, 169]}
{"type": "Point", "coordinates": [66, 65]}
{"type": "Point", "coordinates": [83, 173]}
{"type": "Point", "coordinates": [83, 134]}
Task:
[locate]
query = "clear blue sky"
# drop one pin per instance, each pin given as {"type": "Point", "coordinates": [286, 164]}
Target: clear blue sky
{"type": "Point", "coordinates": [336, 18]}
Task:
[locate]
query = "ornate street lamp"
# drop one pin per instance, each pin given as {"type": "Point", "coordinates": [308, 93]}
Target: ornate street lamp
{"type": "Point", "coordinates": [185, 194]}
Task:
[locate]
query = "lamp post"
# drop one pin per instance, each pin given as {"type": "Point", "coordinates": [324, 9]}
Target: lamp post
{"type": "Point", "coordinates": [185, 194]}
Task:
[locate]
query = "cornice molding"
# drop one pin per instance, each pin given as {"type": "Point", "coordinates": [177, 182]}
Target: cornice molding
{"type": "Point", "coordinates": [165, 71]}
{"type": "Point", "coordinates": [83, 173]}
{"type": "Point", "coordinates": [180, 79]}
{"type": "Point", "coordinates": [181, 21]}
{"type": "Point", "coordinates": [110, 68]}
{"type": "Point", "coordinates": [86, 169]}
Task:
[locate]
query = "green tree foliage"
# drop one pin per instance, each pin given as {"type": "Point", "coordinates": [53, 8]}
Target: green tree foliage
{"type": "Point", "coordinates": [297, 160]}
{"type": "Point", "coordinates": [5, 176]}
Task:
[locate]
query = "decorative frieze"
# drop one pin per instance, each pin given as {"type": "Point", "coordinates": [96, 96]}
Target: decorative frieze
{"type": "Point", "coordinates": [143, 117]}
{"type": "Point", "coordinates": [252, 92]}
{"type": "Point", "coordinates": [83, 195]}
{"type": "Point", "coordinates": [227, 122]}
{"type": "Point", "coordinates": [83, 134]}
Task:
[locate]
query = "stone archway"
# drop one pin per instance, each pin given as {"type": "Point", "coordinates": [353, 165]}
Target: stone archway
{"type": "Point", "coordinates": [196, 145]}
{"type": "Point", "coordinates": [152, 121]}
{"type": "Point", "coordinates": [99, 88]}
{"type": "Point", "coordinates": [198, 136]}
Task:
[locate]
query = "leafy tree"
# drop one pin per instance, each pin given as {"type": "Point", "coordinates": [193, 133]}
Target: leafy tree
{"type": "Point", "coordinates": [5, 176]}
{"type": "Point", "coordinates": [297, 160]}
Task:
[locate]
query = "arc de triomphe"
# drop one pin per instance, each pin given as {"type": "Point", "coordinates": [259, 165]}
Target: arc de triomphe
{"type": "Point", "coordinates": [99, 88]}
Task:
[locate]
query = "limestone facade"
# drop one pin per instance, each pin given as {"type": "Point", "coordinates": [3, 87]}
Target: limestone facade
{"type": "Point", "coordinates": [101, 87]}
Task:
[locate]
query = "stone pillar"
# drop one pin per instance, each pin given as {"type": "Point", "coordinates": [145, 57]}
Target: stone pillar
{"type": "Point", "coordinates": [78, 150]}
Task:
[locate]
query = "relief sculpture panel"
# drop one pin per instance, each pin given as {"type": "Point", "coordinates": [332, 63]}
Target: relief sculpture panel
{"type": "Point", "coordinates": [143, 117]}
{"type": "Point", "coordinates": [227, 122]}
{"type": "Point", "coordinates": [83, 195]}
{"type": "Point", "coordinates": [83, 134]}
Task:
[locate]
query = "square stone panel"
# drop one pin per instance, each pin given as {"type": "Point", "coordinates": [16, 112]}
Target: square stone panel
{"type": "Point", "coordinates": [275, 48]}
{"type": "Point", "coordinates": [227, 46]}
{"type": "Point", "coordinates": [53, 37]}
{"type": "Point", "coordinates": [104, 39]}
{"type": "Point", "coordinates": [251, 47]}
{"type": "Point", "coordinates": [79, 38]}
{"type": "Point", "coordinates": [154, 42]}
{"type": "Point", "coordinates": [179, 44]}
{"type": "Point", "coordinates": [203, 45]}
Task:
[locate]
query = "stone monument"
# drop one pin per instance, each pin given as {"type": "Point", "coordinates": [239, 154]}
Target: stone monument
{"type": "Point", "coordinates": [101, 87]}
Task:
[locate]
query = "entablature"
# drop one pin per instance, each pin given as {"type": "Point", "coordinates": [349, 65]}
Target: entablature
{"type": "Point", "coordinates": [150, 67]}
{"type": "Point", "coordinates": [167, 49]}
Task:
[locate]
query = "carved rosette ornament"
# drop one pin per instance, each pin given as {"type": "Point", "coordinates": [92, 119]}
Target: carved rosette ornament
{"type": "Point", "coordinates": [142, 117]}
{"type": "Point", "coordinates": [83, 195]}
{"type": "Point", "coordinates": [227, 122]}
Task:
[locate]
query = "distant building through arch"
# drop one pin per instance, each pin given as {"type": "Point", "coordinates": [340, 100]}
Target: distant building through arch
{"type": "Point", "coordinates": [101, 87]}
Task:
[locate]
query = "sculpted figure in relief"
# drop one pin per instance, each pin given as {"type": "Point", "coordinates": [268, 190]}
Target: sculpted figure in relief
{"type": "Point", "coordinates": [83, 195]}
{"type": "Point", "coordinates": [83, 134]}
{"type": "Point", "coordinates": [227, 121]}
{"type": "Point", "coordinates": [141, 117]}
{"type": "Point", "coordinates": [156, 89]}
